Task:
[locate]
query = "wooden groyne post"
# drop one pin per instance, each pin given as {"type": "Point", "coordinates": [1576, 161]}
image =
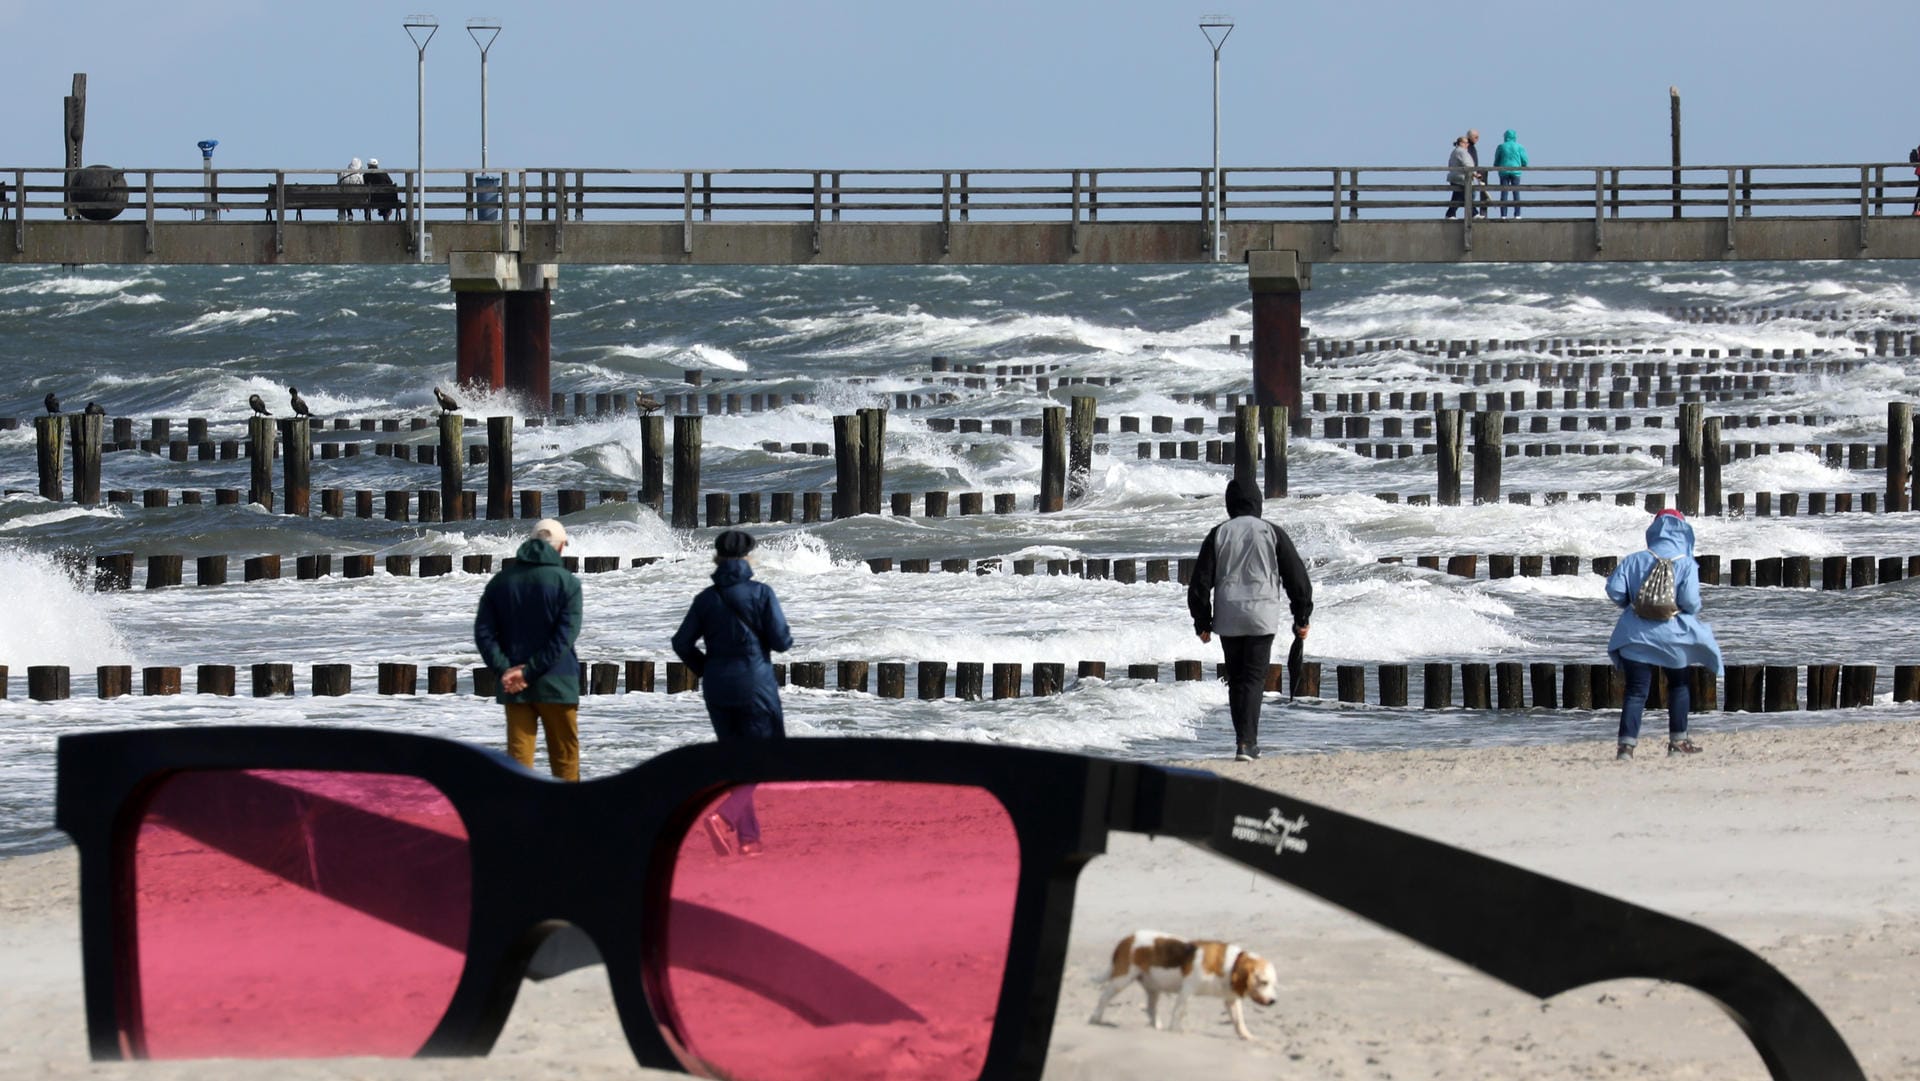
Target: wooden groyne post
{"type": "Point", "coordinates": [50, 437]}
{"type": "Point", "coordinates": [296, 464]}
{"type": "Point", "coordinates": [1488, 448]}
{"type": "Point", "coordinates": [260, 453]}
{"type": "Point", "coordinates": [87, 432]}
{"type": "Point", "coordinates": [848, 491]}
{"type": "Point", "coordinates": [1246, 445]}
{"type": "Point", "coordinates": [653, 442]}
{"type": "Point", "coordinates": [453, 426]}
{"type": "Point", "coordinates": [873, 458]}
{"type": "Point", "coordinates": [1080, 427]}
{"type": "Point", "coordinates": [1274, 419]}
{"type": "Point", "coordinates": [499, 467]}
{"type": "Point", "coordinates": [1899, 454]}
{"type": "Point", "coordinates": [1692, 446]}
{"type": "Point", "coordinates": [1446, 434]}
{"type": "Point", "coordinates": [1710, 466]}
{"type": "Point", "coordinates": [1053, 459]}
{"type": "Point", "coordinates": [686, 472]}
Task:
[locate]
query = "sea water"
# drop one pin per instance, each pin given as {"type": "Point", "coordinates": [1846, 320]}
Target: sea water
{"type": "Point", "coordinates": [185, 342]}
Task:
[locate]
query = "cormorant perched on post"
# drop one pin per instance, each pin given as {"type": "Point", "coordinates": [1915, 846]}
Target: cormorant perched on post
{"type": "Point", "coordinates": [259, 406]}
{"type": "Point", "coordinates": [447, 404]}
{"type": "Point", "coordinates": [647, 404]}
{"type": "Point", "coordinates": [299, 404]}
{"type": "Point", "coordinates": [95, 409]}
{"type": "Point", "coordinates": [53, 403]}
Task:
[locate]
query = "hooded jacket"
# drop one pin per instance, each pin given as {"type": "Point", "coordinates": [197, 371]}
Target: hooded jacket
{"type": "Point", "coordinates": [1459, 166]}
{"type": "Point", "coordinates": [1244, 565]}
{"type": "Point", "coordinates": [1679, 642]}
{"type": "Point", "coordinates": [1510, 154]}
{"type": "Point", "coordinates": [530, 615]}
{"type": "Point", "coordinates": [736, 674]}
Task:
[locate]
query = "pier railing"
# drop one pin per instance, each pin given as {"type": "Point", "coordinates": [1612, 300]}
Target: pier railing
{"type": "Point", "coordinates": [1063, 196]}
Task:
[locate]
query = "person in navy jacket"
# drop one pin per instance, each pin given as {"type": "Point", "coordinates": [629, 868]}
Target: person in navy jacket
{"type": "Point", "coordinates": [741, 623]}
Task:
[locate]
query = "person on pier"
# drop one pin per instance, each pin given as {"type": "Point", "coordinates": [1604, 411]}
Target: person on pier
{"type": "Point", "coordinates": [1509, 158]}
{"type": "Point", "coordinates": [528, 622]}
{"type": "Point", "coordinates": [1247, 567]}
{"type": "Point", "coordinates": [1658, 593]}
{"type": "Point", "coordinates": [1459, 174]}
{"type": "Point", "coordinates": [741, 622]}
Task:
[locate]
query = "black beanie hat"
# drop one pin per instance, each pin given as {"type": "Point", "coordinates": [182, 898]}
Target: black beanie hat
{"type": "Point", "coordinates": [733, 544]}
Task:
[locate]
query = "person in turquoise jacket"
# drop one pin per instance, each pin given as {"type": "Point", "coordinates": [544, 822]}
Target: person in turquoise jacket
{"type": "Point", "coordinates": [1510, 157]}
{"type": "Point", "coordinates": [1640, 644]}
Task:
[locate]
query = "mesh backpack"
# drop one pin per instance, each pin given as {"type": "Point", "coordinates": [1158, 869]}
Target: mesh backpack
{"type": "Point", "coordinates": [1654, 599]}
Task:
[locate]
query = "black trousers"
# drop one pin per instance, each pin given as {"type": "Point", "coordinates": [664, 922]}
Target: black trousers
{"type": "Point", "coordinates": [1247, 660]}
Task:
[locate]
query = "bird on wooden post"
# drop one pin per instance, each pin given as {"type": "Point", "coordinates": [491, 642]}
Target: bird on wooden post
{"type": "Point", "coordinates": [259, 406]}
{"type": "Point", "coordinates": [647, 404]}
{"type": "Point", "coordinates": [95, 409]}
{"type": "Point", "coordinates": [447, 404]}
{"type": "Point", "coordinates": [299, 404]}
{"type": "Point", "coordinates": [53, 403]}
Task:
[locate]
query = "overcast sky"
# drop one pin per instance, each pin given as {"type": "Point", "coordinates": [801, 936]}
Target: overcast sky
{"type": "Point", "coordinates": [976, 84]}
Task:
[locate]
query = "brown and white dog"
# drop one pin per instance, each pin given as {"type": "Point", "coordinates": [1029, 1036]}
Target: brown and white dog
{"type": "Point", "coordinates": [1162, 963]}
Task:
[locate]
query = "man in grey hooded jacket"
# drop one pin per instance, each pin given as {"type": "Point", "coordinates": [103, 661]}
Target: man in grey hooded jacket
{"type": "Point", "coordinates": [1245, 566]}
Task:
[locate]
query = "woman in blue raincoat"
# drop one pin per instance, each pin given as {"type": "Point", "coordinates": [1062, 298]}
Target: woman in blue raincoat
{"type": "Point", "coordinates": [741, 621]}
{"type": "Point", "coordinates": [1640, 644]}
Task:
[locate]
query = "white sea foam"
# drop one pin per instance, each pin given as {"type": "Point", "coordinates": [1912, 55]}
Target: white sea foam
{"type": "Point", "coordinates": [62, 624]}
{"type": "Point", "coordinates": [224, 319]}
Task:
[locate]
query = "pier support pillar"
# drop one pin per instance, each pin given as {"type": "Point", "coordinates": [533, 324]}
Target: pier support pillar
{"type": "Point", "coordinates": [1276, 279]}
{"type": "Point", "coordinates": [530, 334]}
{"type": "Point", "coordinates": [503, 308]}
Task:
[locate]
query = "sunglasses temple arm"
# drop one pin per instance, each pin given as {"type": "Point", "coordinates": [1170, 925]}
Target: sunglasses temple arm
{"type": "Point", "coordinates": [1535, 933]}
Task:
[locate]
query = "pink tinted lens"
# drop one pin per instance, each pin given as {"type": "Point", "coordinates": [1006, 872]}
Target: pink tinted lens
{"type": "Point", "coordinates": [863, 935]}
{"type": "Point", "coordinates": [282, 913]}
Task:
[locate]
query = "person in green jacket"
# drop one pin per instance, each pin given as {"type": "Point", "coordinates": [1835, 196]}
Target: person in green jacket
{"type": "Point", "coordinates": [1510, 158]}
{"type": "Point", "coordinates": [528, 620]}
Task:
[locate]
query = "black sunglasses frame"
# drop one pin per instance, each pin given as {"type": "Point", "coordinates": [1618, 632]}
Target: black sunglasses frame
{"type": "Point", "coordinates": [547, 855]}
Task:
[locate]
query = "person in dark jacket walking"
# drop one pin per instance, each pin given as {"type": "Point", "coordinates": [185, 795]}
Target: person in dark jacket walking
{"type": "Point", "coordinates": [741, 622]}
{"type": "Point", "coordinates": [1245, 567]}
{"type": "Point", "coordinates": [529, 618]}
{"type": "Point", "coordinates": [1642, 643]}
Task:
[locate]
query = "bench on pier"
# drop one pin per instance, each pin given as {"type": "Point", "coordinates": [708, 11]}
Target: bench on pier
{"type": "Point", "coordinates": [298, 198]}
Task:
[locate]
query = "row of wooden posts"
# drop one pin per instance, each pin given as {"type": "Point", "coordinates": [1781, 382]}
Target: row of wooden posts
{"type": "Point", "coordinates": [1720, 313]}
{"type": "Point", "coordinates": [115, 571]}
{"type": "Point", "coordinates": [1260, 436]}
{"type": "Point", "coordinates": [1503, 685]}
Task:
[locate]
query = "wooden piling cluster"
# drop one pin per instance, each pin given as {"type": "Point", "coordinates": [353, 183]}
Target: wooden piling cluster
{"type": "Point", "coordinates": [1503, 685]}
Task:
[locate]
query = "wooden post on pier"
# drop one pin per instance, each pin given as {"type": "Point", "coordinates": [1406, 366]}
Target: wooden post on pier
{"type": "Point", "coordinates": [1276, 279]}
{"type": "Point", "coordinates": [1673, 93]}
{"type": "Point", "coordinates": [686, 472]}
{"type": "Point", "coordinates": [1080, 425]}
{"type": "Point", "coordinates": [1273, 419]}
{"type": "Point", "coordinates": [87, 433]}
{"type": "Point", "coordinates": [452, 426]}
{"type": "Point", "coordinates": [1446, 434]}
{"type": "Point", "coordinates": [1246, 446]}
{"type": "Point", "coordinates": [1899, 454]}
{"type": "Point", "coordinates": [499, 467]}
{"type": "Point", "coordinates": [1692, 417]}
{"type": "Point", "coordinates": [296, 456]}
{"type": "Point", "coordinates": [653, 442]}
{"type": "Point", "coordinates": [873, 459]}
{"type": "Point", "coordinates": [1488, 448]}
{"type": "Point", "coordinates": [50, 436]}
{"type": "Point", "coordinates": [1053, 458]}
{"type": "Point", "coordinates": [260, 452]}
{"type": "Point", "coordinates": [1716, 503]}
{"type": "Point", "coordinates": [848, 432]}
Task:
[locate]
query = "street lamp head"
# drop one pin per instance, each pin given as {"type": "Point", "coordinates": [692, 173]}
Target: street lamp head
{"type": "Point", "coordinates": [415, 24]}
{"type": "Point", "coordinates": [483, 31]}
{"type": "Point", "coordinates": [1211, 23]}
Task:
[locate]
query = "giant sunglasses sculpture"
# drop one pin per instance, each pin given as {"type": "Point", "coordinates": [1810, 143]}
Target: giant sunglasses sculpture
{"type": "Point", "coordinates": [260, 891]}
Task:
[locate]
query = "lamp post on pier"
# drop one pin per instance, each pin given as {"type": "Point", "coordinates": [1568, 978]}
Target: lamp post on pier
{"type": "Point", "coordinates": [1223, 24]}
{"type": "Point", "coordinates": [416, 25]}
{"type": "Point", "coordinates": [490, 28]}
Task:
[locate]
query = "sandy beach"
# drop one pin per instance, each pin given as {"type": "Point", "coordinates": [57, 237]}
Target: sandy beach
{"type": "Point", "coordinates": [1804, 845]}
